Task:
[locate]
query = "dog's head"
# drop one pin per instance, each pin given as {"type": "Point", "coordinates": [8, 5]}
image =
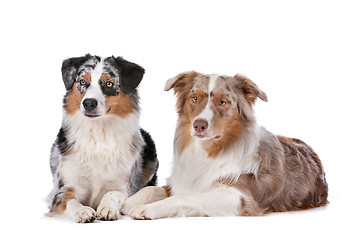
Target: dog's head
{"type": "Point", "coordinates": [215, 107]}
{"type": "Point", "coordinates": [98, 86]}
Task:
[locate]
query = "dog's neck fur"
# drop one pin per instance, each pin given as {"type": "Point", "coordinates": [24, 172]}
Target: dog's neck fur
{"type": "Point", "coordinates": [100, 136]}
{"type": "Point", "coordinates": [194, 171]}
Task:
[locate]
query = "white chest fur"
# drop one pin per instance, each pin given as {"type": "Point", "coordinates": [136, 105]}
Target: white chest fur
{"type": "Point", "coordinates": [102, 156]}
{"type": "Point", "coordinates": [194, 171]}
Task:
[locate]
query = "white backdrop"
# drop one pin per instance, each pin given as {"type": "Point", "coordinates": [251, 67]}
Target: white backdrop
{"type": "Point", "coordinates": [304, 54]}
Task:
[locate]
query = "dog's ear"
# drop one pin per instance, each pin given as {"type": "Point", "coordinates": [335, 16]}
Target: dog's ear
{"type": "Point", "coordinates": [69, 69]}
{"type": "Point", "coordinates": [250, 90]}
{"type": "Point", "coordinates": [182, 84]}
{"type": "Point", "coordinates": [131, 74]}
{"type": "Point", "coordinates": [180, 80]}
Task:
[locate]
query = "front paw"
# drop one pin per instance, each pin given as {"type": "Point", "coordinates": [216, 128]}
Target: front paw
{"type": "Point", "coordinates": [84, 215]}
{"type": "Point", "coordinates": [107, 213]}
{"type": "Point", "coordinates": [144, 212]}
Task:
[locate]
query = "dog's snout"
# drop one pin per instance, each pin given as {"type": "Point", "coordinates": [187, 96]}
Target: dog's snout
{"type": "Point", "coordinates": [200, 125]}
{"type": "Point", "coordinates": [90, 104]}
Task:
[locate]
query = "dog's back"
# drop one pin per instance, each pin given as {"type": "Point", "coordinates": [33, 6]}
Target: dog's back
{"type": "Point", "coordinates": [306, 176]}
{"type": "Point", "coordinates": [290, 177]}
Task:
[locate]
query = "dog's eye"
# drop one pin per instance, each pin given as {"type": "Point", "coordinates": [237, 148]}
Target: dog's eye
{"type": "Point", "coordinates": [83, 82]}
{"type": "Point", "coordinates": [222, 103]}
{"type": "Point", "coordinates": [194, 99]}
{"type": "Point", "coordinates": [109, 84]}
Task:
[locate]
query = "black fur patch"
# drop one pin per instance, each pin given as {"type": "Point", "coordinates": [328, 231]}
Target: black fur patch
{"type": "Point", "coordinates": [60, 184]}
{"type": "Point", "coordinates": [108, 91]}
{"type": "Point", "coordinates": [62, 142]}
{"type": "Point", "coordinates": [149, 156]}
{"type": "Point", "coordinates": [144, 170]}
{"type": "Point", "coordinates": [70, 68]}
{"type": "Point", "coordinates": [130, 74]}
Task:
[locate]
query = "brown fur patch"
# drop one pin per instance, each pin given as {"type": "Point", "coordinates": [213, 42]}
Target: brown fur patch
{"type": "Point", "coordinates": [250, 89]}
{"type": "Point", "coordinates": [194, 108]}
{"type": "Point", "coordinates": [232, 129]}
{"type": "Point", "coordinates": [167, 190]}
{"type": "Point", "coordinates": [305, 166]}
{"type": "Point", "coordinates": [182, 85]}
{"type": "Point", "coordinates": [290, 177]}
{"type": "Point", "coordinates": [247, 205]}
{"type": "Point", "coordinates": [104, 77]}
{"type": "Point", "coordinates": [87, 76]}
{"type": "Point", "coordinates": [121, 105]}
{"type": "Point", "coordinates": [73, 101]}
{"type": "Point", "coordinates": [182, 134]}
{"type": "Point", "coordinates": [60, 201]}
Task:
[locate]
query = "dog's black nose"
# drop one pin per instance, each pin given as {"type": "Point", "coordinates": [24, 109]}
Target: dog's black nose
{"type": "Point", "coordinates": [200, 125]}
{"type": "Point", "coordinates": [90, 104]}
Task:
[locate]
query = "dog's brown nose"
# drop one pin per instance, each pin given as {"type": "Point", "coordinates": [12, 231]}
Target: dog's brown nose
{"type": "Point", "coordinates": [200, 125]}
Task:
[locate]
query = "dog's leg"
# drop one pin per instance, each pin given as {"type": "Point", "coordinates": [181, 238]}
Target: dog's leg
{"type": "Point", "coordinates": [110, 205]}
{"type": "Point", "coordinates": [144, 196]}
{"type": "Point", "coordinates": [65, 202]}
{"type": "Point", "coordinates": [221, 201]}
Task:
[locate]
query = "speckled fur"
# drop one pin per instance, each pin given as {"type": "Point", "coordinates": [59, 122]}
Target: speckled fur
{"type": "Point", "coordinates": [233, 166]}
{"type": "Point", "coordinates": [100, 157]}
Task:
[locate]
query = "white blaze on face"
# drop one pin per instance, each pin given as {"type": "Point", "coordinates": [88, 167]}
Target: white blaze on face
{"type": "Point", "coordinates": [94, 90]}
{"type": "Point", "coordinates": [207, 114]}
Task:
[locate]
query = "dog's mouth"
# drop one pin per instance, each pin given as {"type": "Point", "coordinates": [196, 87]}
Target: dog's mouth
{"type": "Point", "coordinates": [205, 137]}
{"type": "Point", "coordinates": [92, 115]}
{"type": "Point", "coordinates": [95, 115]}
{"type": "Point", "coordinates": [201, 136]}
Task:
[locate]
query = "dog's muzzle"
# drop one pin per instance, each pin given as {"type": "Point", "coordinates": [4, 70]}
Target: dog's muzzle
{"type": "Point", "coordinates": [90, 105]}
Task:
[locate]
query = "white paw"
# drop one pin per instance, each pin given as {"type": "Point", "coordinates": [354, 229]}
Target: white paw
{"type": "Point", "coordinates": [107, 213]}
{"type": "Point", "coordinates": [83, 215]}
{"type": "Point", "coordinates": [145, 196]}
{"type": "Point", "coordinates": [144, 212]}
{"type": "Point", "coordinates": [125, 210]}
